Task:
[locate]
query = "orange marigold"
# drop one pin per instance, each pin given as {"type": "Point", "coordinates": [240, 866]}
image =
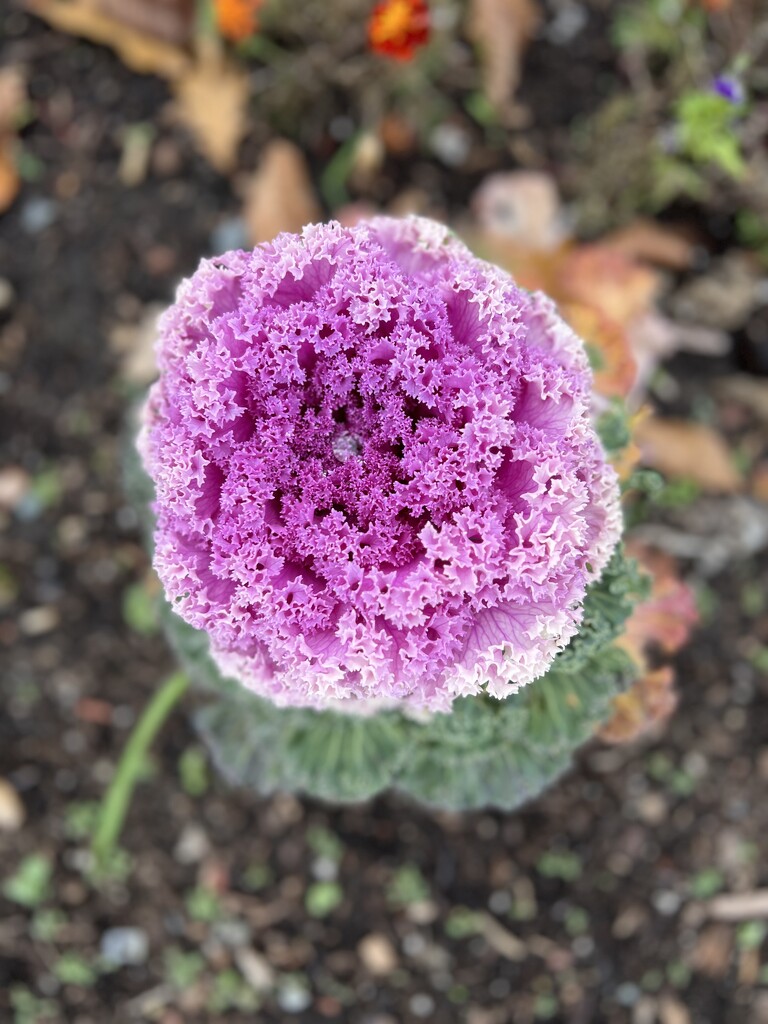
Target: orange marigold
{"type": "Point", "coordinates": [397, 28]}
{"type": "Point", "coordinates": [236, 19]}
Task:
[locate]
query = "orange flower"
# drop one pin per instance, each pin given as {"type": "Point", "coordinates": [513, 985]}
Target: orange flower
{"type": "Point", "coordinates": [397, 28]}
{"type": "Point", "coordinates": [236, 19]}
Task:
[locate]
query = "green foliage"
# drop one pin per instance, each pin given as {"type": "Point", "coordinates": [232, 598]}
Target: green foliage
{"type": "Point", "coordinates": [322, 898]}
{"type": "Point", "coordinates": [74, 969]}
{"type": "Point", "coordinates": [407, 886]}
{"type": "Point", "coordinates": [706, 883]}
{"type": "Point", "coordinates": [47, 924]}
{"type": "Point", "coordinates": [752, 231]}
{"type": "Point", "coordinates": [80, 819]}
{"type": "Point", "coordinates": [29, 1009]}
{"type": "Point", "coordinates": [203, 905]}
{"type": "Point", "coordinates": [324, 843]}
{"type": "Point", "coordinates": [114, 867]}
{"type": "Point", "coordinates": [230, 992]}
{"type": "Point", "coordinates": [193, 771]}
{"type": "Point", "coordinates": [140, 609]}
{"type": "Point", "coordinates": [706, 125]}
{"type": "Point", "coordinates": [751, 934]}
{"type": "Point", "coordinates": [182, 969]}
{"type": "Point", "coordinates": [30, 884]}
{"type": "Point", "coordinates": [257, 877]}
{"type": "Point", "coordinates": [462, 923]}
{"type": "Point", "coordinates": [652, 26]}
{"type": "Point", "coordinates": [561, 864]}
{"type": "Point", "coordinates": [613, 427]}
{"type": "Point", "coordinates": [655, 25]}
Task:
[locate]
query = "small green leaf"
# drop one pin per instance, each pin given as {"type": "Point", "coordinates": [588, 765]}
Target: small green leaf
{"type": "Point", "coordinates": [560, 864]}
{"type": "Point", "coordinates": [30, 885]}
{"type": "Point", "coordinates": [73, 969]}
{"type": "Point", "coordinates": [193, 771]}
{"type": "Point", "coordinates": [323, 898]}
{"type": "Point", "coordinates": [407, 886]}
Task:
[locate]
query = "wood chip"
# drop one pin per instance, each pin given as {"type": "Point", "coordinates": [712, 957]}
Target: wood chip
{"type": "Point", "coordinates": [742, 906]}
{"type": "Point", "coordinates": [502, 940]}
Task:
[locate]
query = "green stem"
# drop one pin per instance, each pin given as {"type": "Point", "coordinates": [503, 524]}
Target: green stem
{"type": "Point", "coordinates": [117, 799]}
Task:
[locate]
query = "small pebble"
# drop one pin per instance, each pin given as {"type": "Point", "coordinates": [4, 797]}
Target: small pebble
{"type": "Point", "coordinates": [293, 997]}
{"type": "Point", "coordinates": [667, 902]}
{"type": "Point", "coordinates": [378, 954]}
{"type": "Point", "coordinates": [37, 621]}
{"type": "Point", "coordinates": [325, 869]}
{"type": "Point", "coordinates": [422, 1005]}
{"type": "Point", "coordinates": [234, 934]}
{"type": "Point", "coordinates": [500, 901]}
{"type": "Point", "coordinates": [192, 846]}
{"type": "Point", "coordinates": [652, 808]}
{"type": "Point", "coordinates": [38, 214]}
{"type": "Point", "coordinates": [124, 947]}
{"type": "Point", "coordinates": [450, 144]}
{"type": "Point", "coordinates": [627, 994]}
{"type": "Point", "coordinates": [414, 944]}
{"type": "Point", "coordinates": [256, 969]}
{"type": "Point", "coordinates": [566, 25]}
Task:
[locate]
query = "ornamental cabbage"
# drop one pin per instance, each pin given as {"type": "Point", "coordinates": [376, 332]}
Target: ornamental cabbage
{"type": "Point", "coordinates": [377, 482]}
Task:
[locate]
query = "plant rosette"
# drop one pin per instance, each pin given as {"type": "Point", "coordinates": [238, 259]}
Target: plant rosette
{"type": "Point", "coordinates": [386, 527]}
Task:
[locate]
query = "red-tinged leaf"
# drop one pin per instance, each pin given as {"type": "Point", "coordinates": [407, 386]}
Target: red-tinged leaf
{"type": "Point", "coordinates": [649, 702]}
{"type": "Point", "coordinates": [664, 621]}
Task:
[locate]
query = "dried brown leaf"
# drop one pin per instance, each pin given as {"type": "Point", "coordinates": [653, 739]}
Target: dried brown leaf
{"type": "Point", "coordinates": [212, 102]}
{"type": "Point", "coordinates": [137, 50]}
{"type": "Point", "coordinates": [279, 196]}
{"type": "Point", "coordinates": [682, 450]}
{"type": "Point", "coordinates": [646, 240]}
{"type": "Point", "coordinates": [647, 703]}
{"type": "Point", "coordinates": [171, 20]}
{"type": "Point", "coordinates": [501, 29]}
{"type": "Point", "coordinates": [615, 366]}
{"type": "Point", "coordinates": [602, 276]}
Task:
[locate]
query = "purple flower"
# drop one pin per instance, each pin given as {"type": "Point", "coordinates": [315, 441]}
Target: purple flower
{"type": "Point", "coordinates": [376, 476]}
{"type": "Point", "coordinates": [729, 88]}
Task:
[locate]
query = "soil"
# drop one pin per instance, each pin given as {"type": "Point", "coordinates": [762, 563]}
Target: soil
{"type": "Point", "coordinates": [588, 906]}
